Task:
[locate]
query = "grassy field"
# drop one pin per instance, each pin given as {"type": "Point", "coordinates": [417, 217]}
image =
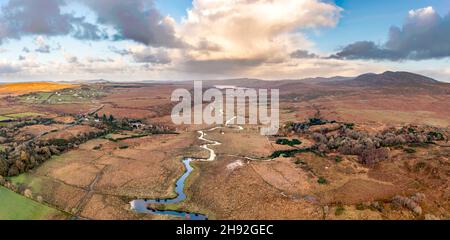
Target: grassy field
{"type": "Point", "coordinates": [22, 115]}
{"type": "Point", "coordinates": [32, 182]}
{"type": "Point", "coordinates": [76, 95]}
{"type": "Point", "coordinates": [3, 118]}
{"type": "Point", "coordinates": [16, 207]}
{"type": "Point", "coordinates": [14, 116]}
{"type": "Point", "coordinates": [123, 136]}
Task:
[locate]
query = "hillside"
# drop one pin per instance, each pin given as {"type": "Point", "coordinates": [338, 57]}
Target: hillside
{"type": "Point", "coordinates": [21, 88]}
{"type": "Point", "coordinates": [401, 79]}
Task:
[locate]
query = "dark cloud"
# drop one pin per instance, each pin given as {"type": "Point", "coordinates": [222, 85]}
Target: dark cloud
{"type": "Point", "coordinates": [72, 59]}
{"type": "Point", "coordinates": [145, 55]}
{"type": "Point", "coordinates": [205, 45]}
{"type": "Point", "coordinates": [367, 50]}
{"type": "Point", "coordinates": [122, 52]}
{"type": "Point", "coordinates": [43, 49]}
{"type": "Point", "coordinates": [44, 17]}
{"type": "Point", "coordinates": [303, 54]}
{"type": "Point", "coordinates": [85, 30]}
{"type": "Point", "coordinates": [136, 20]}
{"type": "Point", "coordinates": [424, 35]}
{"type": "Point", "coordinates": [42, 46]}
{"type": "Point", "coordinates": [7, 68]}
{"type": "Point", "coordinates": [26, 50]}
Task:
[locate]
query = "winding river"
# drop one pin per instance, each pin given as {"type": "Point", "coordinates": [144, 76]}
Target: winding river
{"type": "Point", "coordinates": [142, 205]}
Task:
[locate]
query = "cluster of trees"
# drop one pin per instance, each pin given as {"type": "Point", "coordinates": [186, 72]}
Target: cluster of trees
{"type": "Point", "coordinates": [288, 153]}
{"type": "Point", "coordinates": [129, 124]}
{"type": "Point", "coordinates": [304, 126]}
{"type": "Point", "coordinates": [20, 158]}
{"type": "Point", "coordinates": [7, 133]}
{"type": "Point", "coordinates": [105, 119]}
{"type": "Point", "coordinates": [293, 142]}
{"type": "Point", "coordinates": [412, 203]}
{"type": "Point", "coordinates": [371, 156]}
{"type": "Point", "coordinates": [374, 148]}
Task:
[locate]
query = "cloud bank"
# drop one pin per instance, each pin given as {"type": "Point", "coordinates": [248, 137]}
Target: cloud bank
{"type": "Point", "coordinates": [216, 39]}
{"type": "Point", "coordinates": [248, 32]}
{"type": "Point", "coordinates": [20, 18]}
{"type": "Point", "coordinates": [424, 35]}
{"type": "Point", "coordinates": [136, 20]}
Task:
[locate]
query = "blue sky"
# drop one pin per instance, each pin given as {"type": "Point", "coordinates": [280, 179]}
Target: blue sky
{"type": "Point", "coordinates": [156, 39]}
{"type": "Point", "coordinates": [371, 20]}
{"type": "Point", "coordinates": [175, 8]}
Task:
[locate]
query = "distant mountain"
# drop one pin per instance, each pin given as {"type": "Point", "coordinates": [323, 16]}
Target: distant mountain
{"type": "Point", "coordinates": [258, 83]}
{"type": "Point", "coordinates": [390, 79]}
{"type": "Point", "coordinates": [387, 80]}
{"type": "Point", "coordinates": [325, 80]}
{"type": "Point", "coordinates": [93, 81]}
{"type": "Point", "coordinates": [238, 82]}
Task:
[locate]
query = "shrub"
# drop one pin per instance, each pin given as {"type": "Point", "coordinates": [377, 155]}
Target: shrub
{"type": "Point", "coordinates": [322, 180]}
{"type": "Point", "coordinates": [349, 125]}
{"type": "Point", "coordinates": [288, 153]}
{"type": "Point", "coordinates": [316, 121]}
{"type": "Point", "coordinates": [98, 147]}
{"type": "Point", "coordinates": [339, 210]}
{"type": "Point", "coordinates": [60, 142]}
{"type": "Point", "coordinates": [3, 167]}
{"type": "Point", "coordinates": [338, 159]}
{"type": "Point", "coordinates": [409, 150]}
{"type": "Point", "coordinates": [408, 203]}
{"type": "Point", "coordinates": [360, 207]}
{"type": "Point", "coordinates": [293, 142]}
{"type": "Point", "coordinates": [320, 138]}
{"type": "Point", "coordinates": [298, 162]}
{"type": "Point", "coordinates": [435, 136]}
{"type": "Point", "coordinates": [373, 155]}
{"type": "Point", "coordinates": [419, 166]}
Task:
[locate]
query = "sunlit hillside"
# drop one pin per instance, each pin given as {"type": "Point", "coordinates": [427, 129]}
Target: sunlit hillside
{"type": "Point", "coordinates": [33, 87]}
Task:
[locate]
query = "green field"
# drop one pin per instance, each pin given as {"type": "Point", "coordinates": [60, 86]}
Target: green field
{"type": "Point", "coordinates": [34, 183]}
{"type": "Point", "coordinates": [123, 136]}
{"type": "Point", "coordinates": [78, 95]}
{"type": "Point", "coordinates": [36, 97]}
{"type": "Point", "coordinates": [14, 116]}
{"type": "Point", "coordinates": [17, 207]}
{"type": "Point", "coordinates": [22, 115]}
{"type": "Point", "coordinates": [3, 118]}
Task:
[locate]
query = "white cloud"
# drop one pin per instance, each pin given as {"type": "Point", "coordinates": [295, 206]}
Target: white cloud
{"type": "Point", "coordinates": [41, 44]}
{"type": "Point", "coordinates": [260, 30]}
{"type": "Point", "coordinates": [218, 38]}
{"type": "Point", "coordinates": [422, 12]}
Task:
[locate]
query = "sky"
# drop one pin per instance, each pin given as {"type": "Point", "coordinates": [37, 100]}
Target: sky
{"type": "Point", "coordinates": [63, 40]}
